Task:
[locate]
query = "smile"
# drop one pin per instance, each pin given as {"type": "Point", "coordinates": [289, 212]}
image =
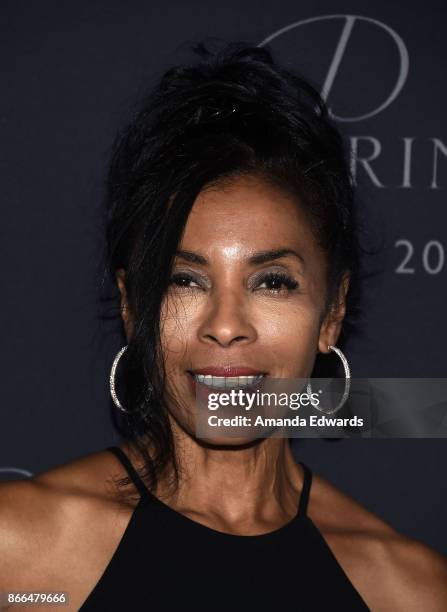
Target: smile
{"type": "Point", "coordinates": [226, 382]}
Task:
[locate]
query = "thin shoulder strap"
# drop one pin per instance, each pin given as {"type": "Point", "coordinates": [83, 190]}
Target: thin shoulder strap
{"type": "Point", "coordinates": [305, 491]}
{"type": "Point", "coordinates": [133, 475]}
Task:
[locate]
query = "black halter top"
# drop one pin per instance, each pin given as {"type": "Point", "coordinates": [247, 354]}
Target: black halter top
{"type": "Point", "coordinates": [167, 562]}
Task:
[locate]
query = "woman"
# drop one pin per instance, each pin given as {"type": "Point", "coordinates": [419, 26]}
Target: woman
{"type": "Point", "coordinates": [232, 235]}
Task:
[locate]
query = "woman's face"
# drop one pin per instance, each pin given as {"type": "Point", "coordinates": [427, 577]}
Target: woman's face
{"type": "Point", "coordinates": [248, 288]}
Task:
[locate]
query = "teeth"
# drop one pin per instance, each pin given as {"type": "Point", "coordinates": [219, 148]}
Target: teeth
{"type": "Point", "coordinates": [225, 382]}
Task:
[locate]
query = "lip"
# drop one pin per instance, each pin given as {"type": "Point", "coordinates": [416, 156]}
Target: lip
{"type": "Point", "coordinates": [227, 370]}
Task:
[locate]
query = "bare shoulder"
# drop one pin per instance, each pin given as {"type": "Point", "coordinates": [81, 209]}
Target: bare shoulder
{"type": "Point", "coordinates": [43, 520]}
{"type": "Point", "coordinates": [420, 575]}
{"type": "Point", "coordinates": [411, 575]}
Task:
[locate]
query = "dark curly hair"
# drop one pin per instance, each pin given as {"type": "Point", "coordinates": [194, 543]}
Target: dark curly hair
{"type": "Point", "coordinates": [230, 112]}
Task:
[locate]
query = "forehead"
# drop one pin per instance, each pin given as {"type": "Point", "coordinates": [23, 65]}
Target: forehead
{"type": "Point", "coordinates": [247, 211]}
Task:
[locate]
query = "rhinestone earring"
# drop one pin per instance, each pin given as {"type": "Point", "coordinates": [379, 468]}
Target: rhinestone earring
{"type": "Point", "coordinates": [347, 382]}
{"type": "Point", "coordinates": [112, 379]}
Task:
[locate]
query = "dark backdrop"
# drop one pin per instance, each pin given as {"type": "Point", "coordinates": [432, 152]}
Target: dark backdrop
{"type": "Point", "coordinates": [70, 73]}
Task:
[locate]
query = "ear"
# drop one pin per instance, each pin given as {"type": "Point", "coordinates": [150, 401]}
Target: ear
{"type": "Point", "coordinates": [125, 311]}
{"type": "Point", "coordinates": [331, 327]}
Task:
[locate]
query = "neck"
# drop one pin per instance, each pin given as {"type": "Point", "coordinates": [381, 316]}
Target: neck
{"type": "Point", "coordinates": [239, 485]}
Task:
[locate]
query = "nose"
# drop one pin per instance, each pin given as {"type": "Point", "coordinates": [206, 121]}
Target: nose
{"type": "Point", "coordinates": [226, 321]}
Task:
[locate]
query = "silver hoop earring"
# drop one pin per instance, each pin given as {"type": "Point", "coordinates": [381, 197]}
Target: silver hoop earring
{"type": "Point", "coordinates": [347, 382]}
{"type": "Point", "coordinates": [112, 379]}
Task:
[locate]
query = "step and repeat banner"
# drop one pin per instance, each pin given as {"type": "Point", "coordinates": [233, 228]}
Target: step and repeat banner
{"type": "Point", "coordinates": [71, 73]}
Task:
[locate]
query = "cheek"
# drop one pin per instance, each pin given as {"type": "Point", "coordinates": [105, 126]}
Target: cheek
{"type": "Point", "coordinates": [174, 326]}
{"type": "Point", "coordinates": [286, 333]}
{"type": "Point", "coordinates": [289, 339]}
{"type": "Point", "coordinates": [176, 320]}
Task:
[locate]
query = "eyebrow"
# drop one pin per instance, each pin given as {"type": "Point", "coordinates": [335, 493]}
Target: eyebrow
{"type": "Point", "coordinates": [256, 259]}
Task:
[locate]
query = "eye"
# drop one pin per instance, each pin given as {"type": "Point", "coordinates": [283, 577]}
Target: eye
{"type": "Point", "coordinates": [182, 280]}
{"type": "Point", "coordinates": [276, 280]}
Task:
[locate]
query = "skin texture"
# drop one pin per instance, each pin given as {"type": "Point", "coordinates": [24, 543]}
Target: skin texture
{"type": "Point", "coordinates": [228, 313]}
{"type": "Point", "coordinates": [60, 529]}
